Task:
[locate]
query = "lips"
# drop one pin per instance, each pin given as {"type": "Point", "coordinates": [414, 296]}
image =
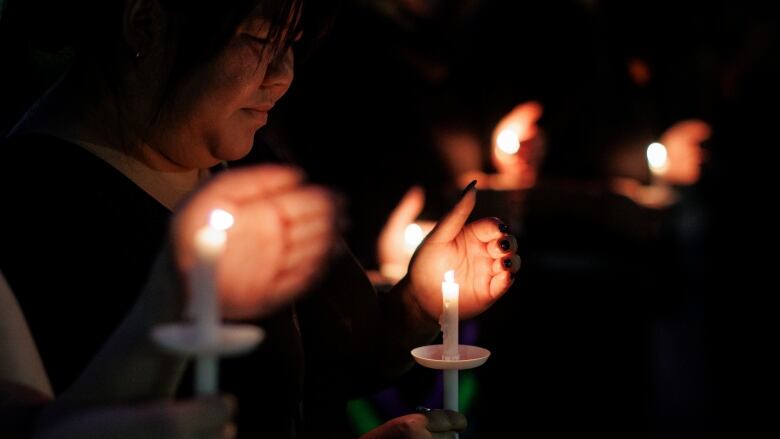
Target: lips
{"type": "Point", "coordinates": [256, 115]}
{"type": "Point", "coordinates": [263, 107]}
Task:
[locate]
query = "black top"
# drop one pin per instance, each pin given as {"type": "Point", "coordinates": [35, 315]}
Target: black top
{"type": "Point", "coordinates": [78, 239]}
{"type": "Point", "coordinates": [77, 246]}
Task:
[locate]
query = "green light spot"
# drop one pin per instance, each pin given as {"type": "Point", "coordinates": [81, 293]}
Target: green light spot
{"type": "Point", "coordinates": [467, 390]}
{"type": "Point", "coordinates": [364, 418]}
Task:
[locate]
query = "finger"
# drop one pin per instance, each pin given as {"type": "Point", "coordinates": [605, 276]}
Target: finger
{"type": "Point", "coordinates": [697, 129]}
{"type": "Point", "coordinates": [307, 253]}
{"type": "Point", "coordinates": [445, 420]}
{"type": "Point", "coordinates": [531, 111]}
{"type": "Point", "coordinates": [507, 263]}
{"type": "Point", "coordinates": [252, 182]}
{"type": "Point", "coordinates": [303, 204]}
{"type": "Point", "coordinates": [286, 287]}
{"type": "Point", "coordinates": [295, 280]}
{"type": "Point", "coordinates": [502, 247]}
{"type": "Point", "coordinates": [500, 284]}
{"type": "Point", "coordinates": [307, 231]}
{"type": "Point", "coordinates": [408, 208]}
{"type": "Point", "coordinates": [488, 229]}
{"type": "Point", "coordinates": [229, 190]}
{"type": "Point", "coordinates": [522, 120]}
{"type": "Point", "coordinates": [452, 223]}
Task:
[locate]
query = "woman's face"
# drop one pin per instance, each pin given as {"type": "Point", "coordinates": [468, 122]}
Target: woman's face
{"type": "Point", "coordinates": [217, 110]}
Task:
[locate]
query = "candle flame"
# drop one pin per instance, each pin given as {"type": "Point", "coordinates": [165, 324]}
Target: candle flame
{"type": "Point", "coordinates": [657, 157]}
{"type": "Point", "coordinates": [221, 219]}
{"type": "Point", "coordinates": [508, 141]}
{"type": "Point", "coordinates": [413, 236]}
{"type": "Point", "coordinates": [449, 276]}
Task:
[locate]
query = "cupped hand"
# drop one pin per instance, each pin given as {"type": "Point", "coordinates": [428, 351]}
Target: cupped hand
{"type": "Point", "coordinates": [394, 250]}
{"type": "Point", "coordinates": [282, 232]}
{"type": "Point", "coordinates": [683, 142]}
{"type": "Point", "coordinates": [482, 254]}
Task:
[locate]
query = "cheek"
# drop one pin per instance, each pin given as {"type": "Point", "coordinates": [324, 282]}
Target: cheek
{"type": "Point", "coordinates": [248, 61]}
{"type": "Point", "coordinates": [229, 80]}
{"type": "Point", "coordinates": [207, 119]}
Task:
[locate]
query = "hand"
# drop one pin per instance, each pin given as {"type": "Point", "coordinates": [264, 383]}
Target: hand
{"type": "Point", "coordinates": [518, 129]}
{"type": "Point", "coordinates": [685, 154]}
{"type": "Point", "coordinates": [393, 252]}
{"type": "Point", "coordinates": [436, 424]}
{"type": "Point", "coordinates": [282, 232]}
{"type": "Point", "coordinates": [481, 253]}
{"type": "Point", "coordinates": [197, 418]}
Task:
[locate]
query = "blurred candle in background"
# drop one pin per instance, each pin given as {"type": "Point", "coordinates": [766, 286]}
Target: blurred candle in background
{"type": "Point", "coordinates": [413, 236]}
{"type": "Point", "coordinates": [657, 158]}
{"type": "Point", "coordinates": [508, 141]}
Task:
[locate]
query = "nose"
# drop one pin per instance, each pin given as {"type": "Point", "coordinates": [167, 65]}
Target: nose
{"type": "Point", "coordinates": [279, 75]}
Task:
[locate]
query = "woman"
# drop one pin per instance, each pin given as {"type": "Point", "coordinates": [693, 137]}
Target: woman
{"type": "Point", "coordinates": [128, 368]}
{"type": "Point", "coordinates": [161, 91]}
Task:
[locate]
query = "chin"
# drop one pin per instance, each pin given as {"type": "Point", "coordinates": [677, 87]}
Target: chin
{"type": "Point", "coordinates": [235, 149]}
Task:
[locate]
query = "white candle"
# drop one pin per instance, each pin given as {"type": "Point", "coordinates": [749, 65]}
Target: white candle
{"type": "Point", "coordinates": [204, 306]}
{"type": "Point", "coordinates": [449, 327]}
{"type": "Point", "coordinates": [449, 317]}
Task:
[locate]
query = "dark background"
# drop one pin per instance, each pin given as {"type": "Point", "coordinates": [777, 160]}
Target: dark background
{"type": "Point", "coordinates": [624, 321]}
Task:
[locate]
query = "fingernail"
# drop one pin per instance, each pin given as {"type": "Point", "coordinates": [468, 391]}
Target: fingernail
{"type": "Point", "coordinates": [504, 244]}
{"type": "Point", "coordinates": [507, 263]}
{"type": "Point", "coordinates": [468, 188]}
{"type": "Point", "coordinates": [503, 227]}
{"type": "Point", "coordinates": [421, 409]}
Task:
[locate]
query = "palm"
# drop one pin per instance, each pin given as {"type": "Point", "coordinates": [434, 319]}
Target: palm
{"type": "Point", "coordinates": [246, 268]}
{"type": "Point", "coordinates": [281, 235]}
{"type": "Point", "coordinates": [468, 256]}
{"type": "Point", "coordinates": [467, 250]}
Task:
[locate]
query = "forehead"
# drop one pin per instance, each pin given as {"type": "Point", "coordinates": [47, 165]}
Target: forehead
{"type": "Point", "coordinates": [282, 14]}
{"type": "Point", "coordinates": [278, 10]}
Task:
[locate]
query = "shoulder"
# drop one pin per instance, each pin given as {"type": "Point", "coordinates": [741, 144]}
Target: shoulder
{"type": "Point", "coordinates": [48, 172]}
{"type": "Point", "coordinates": [43, 157]}
{"type": "Point", "coordinates": [62, 200]}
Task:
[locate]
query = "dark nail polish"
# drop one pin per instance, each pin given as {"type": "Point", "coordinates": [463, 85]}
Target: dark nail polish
{"type": "Point", "coordinates": [504, 244]}
{"type": "Point", "coordinates": [468, 188]}
{"type": "Point", "coordinates": [503, 228]}
{"type": "Point", "coordinates": [507, 263]}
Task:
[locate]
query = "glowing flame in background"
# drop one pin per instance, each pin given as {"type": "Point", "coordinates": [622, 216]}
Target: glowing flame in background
{"type": "Point", "coordinates": [508, 141]}
{"type": "Point", "coordinates": [657, 158]}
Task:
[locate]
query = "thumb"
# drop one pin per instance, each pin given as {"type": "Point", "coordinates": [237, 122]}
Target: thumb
{"type": "Point", "coordinates": [408, 208]}
{"type": "Point", "coordinates": [452, 223]}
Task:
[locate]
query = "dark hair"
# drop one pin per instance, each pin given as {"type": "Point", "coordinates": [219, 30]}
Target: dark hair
{"type": "Point", "coordinates": [205, 25]}
{"type": "Point", "coordinates": [202, 27]}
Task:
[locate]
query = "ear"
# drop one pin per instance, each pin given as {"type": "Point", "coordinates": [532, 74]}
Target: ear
{"type": "Point", "coordinates": [143, 23]}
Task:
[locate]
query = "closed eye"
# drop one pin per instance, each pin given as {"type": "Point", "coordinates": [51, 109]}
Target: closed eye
{"type": "Point", "coordinates": [258, 40]}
